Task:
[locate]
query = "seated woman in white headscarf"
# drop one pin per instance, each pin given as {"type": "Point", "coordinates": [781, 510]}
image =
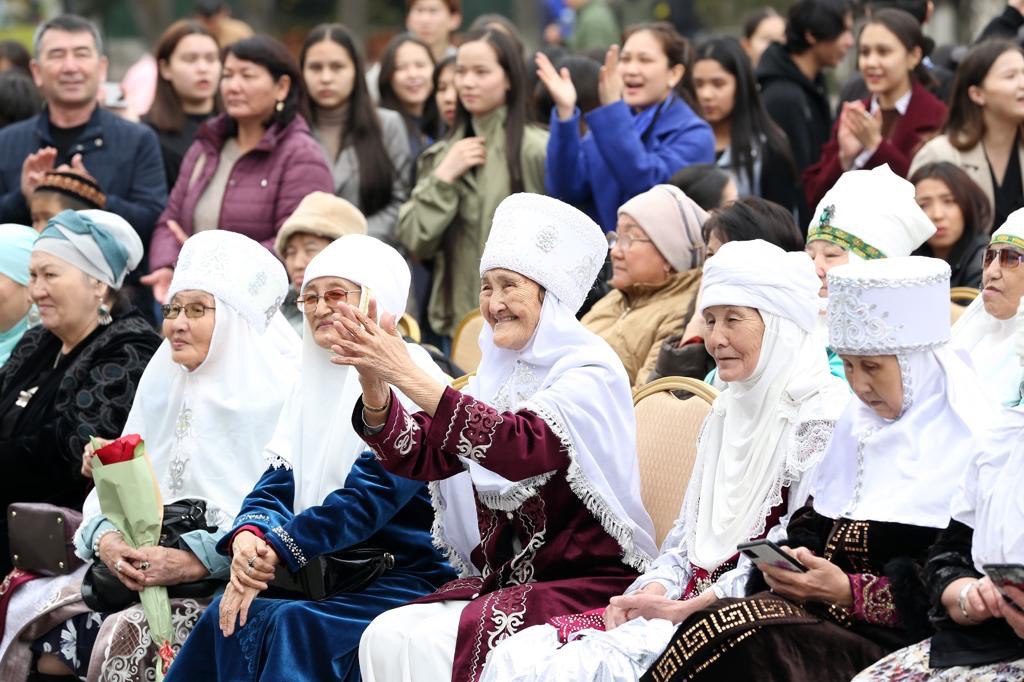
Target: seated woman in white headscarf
{"type": "Point", "coordinates": [985, 330]}
{"type": "Point", "coordinates": [979, 619]}
{"type": "Point", "coordinates": [324, 500]}
{"type": "Point", "coordinates": [224, 339]}
{"type": "Point", "coordinates": [868, 214]}
{"type": "Point", "coordinates": [533, 467]}
{"type": "Point", "coordinates": [757, 450]}
{"type": "Point", "coordinates": [881, 495]}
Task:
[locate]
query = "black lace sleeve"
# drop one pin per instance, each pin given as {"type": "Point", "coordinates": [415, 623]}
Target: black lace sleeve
{"type": "Point", "coordinates": [949, 559]}
{"type": "Point", "coordinates": [807, 528]}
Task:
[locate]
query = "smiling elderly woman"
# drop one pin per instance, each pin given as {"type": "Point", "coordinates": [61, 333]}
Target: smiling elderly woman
{"type": "Point", "coordinates": [881, 494]}
{"type": "Point", "coordinates": [75, 375]}
{"type": "Point", "coordinates": [224, 339]}
{"type": "Point", "coordinates": [533, 467]}
{"type": "Point", "coordinates": [986, 328]}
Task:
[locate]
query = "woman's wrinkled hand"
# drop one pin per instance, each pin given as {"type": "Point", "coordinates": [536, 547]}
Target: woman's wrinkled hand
{"type": "Point", "coordinates": [253, 562]}
{"type": "Point", "coordinates": [234, 607]}
{"type": "Point", "coordinates": [123, 561]}
{"type": "Point", "coordinates": [378, 352]}
{"type": "Point", "coordinates": [169, 566]}
{"type": "Point", "coordinates": [1014, 613]}
{"type": "Point", "coordinates": [822, 582]}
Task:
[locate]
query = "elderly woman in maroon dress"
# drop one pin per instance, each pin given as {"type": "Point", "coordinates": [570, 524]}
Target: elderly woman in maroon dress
{"type": "Point", "coordinates": [533, 466]}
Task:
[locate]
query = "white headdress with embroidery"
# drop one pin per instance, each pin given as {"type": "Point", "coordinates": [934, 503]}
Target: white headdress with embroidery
{"type": "Point", "coordinates": [205, 429]}
{"type": "Point", "coordinates": [906, 469]}
{"type": "Point", "coordinates": [990, 500]}
{"type": "Point", "coordinates": [566, 375]}
{"type": "Point", "coordinates": [989, 340]}
{"type": "Point", "coordinates": [314, 435]}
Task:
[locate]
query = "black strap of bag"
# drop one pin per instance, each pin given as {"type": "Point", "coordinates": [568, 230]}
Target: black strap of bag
{"type": "Point", "coordinates": [351, 570]}
{"type": "Point", "coordinates": [104, 592]}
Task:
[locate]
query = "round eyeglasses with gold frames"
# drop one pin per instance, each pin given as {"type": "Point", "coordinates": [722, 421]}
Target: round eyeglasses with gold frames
{"type": "Point", "coordinates": [193, 311]}
{"type": "Point", "coordinates": [307, 303]}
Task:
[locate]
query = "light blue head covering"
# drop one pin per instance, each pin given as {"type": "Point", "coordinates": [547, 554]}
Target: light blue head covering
{"type": "Point", "coordinates": [15, 249]}
{"type": "Point", "coordinates": [99, 243]}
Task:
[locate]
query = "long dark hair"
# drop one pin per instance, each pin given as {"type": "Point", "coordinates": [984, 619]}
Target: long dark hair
{"type": "Point", "coordinates": [971, 199]}
{"type": "Point", "coordinates": [908, 31]}
{"type": "Point", "coordinates": [750, 125]}
{"type": "Point", "coordinates": [427, 125]}
{"type": "Point", "coordinates": [167, 113]}
{"type": "Point", "coordinates": [362, 128]}
{"type": "Point", "coordinates": [755, 218]}
{"type": "Point", "coordinates": [511, 63]}
{"type": "Point", "coordinates": [275, 58]}
{"type": "Point", "coordinates": [677, 49]}
{"type": "Point", "coordinates": [965, 121]}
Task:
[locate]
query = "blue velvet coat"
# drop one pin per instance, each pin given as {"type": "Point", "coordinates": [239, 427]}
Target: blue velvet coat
{"type": "Point", "coordinates": [622, 154]}
{"type": "Point", "coordinates": [306, 640]}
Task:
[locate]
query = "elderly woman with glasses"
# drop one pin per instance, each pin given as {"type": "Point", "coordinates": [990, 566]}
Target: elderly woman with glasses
{"type": "Point", "coordinates": [224, 338]}
{"type": "Point", "coordinates": [324, 507]}
{"type": "Point", "coordinates": [985, 330]}
{"type": "Point", "coordinates": [656, 250]}
{"type": "Point", "coordinates": [75, 374]}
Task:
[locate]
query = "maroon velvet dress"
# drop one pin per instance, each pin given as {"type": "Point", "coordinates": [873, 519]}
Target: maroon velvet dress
{"type": "Point", "coordinates": [542, 553]}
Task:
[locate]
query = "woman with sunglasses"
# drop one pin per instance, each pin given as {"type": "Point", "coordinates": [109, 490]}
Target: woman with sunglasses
{"type": "Point", "coordinates": [986, 328]}
{"type": "Point", "coordinates": [657, 251]}
{"type": "Point", "coordinates": [224, 339]}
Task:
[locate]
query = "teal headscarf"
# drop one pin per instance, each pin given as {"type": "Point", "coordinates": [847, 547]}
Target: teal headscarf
{"type": "Point", "coordinates": [100, 244]}
{"type": "Point", "coordinates": [15, 248]}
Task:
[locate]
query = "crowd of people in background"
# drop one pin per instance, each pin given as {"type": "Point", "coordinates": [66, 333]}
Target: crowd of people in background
{"type": "Point", "coordinates": [261, 261]}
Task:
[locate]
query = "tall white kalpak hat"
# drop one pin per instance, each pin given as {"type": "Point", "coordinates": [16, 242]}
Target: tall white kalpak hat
{"type": "Point", "coordinates": [872, 214]}
{"type": "Point", "coordinates": [550, 242]}
{"type": "Point", "coordinates": [236, 270]}
{"type": "Point", "coordinates": [889, 306]}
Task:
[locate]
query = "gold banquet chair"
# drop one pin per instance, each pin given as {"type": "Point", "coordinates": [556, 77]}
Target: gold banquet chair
{"type": "Point", "coordinates": [963, 295]}
{"type": "Point", "coordinates": [465, 349]}
{"type": "Point", "coordinates": [666, 443]}
{"type": "Point", "coordinates": [409, 328]}
{"type": "Point", "coordinates": [459, 383]}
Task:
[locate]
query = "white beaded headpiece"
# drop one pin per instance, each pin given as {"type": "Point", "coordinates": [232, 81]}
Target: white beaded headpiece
{"type": "Point", "coordinates": [236, 270]}
{"type": "Point", "coordinates": [888, 306]}
{"type": "Point", "coordinates": [550, 242]}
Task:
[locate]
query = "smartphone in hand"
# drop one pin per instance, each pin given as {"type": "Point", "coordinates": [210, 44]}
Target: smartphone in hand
{"type": "Point", "coordinates": [1002, 575]}
{"type": "Point", "coordinates": [767, 552]}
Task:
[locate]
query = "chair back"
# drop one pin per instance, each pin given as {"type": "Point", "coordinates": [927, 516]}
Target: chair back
{"type": "Point", "coordinates": [666, 433]}
{"type": "Point", "coordinates": [409, 328]}
{"type": "Point", "coordinates": [465, 349]}
{"type": "Point", "coordinates": [459, 383]}
{"type": "Point", "coordinates": [963, 295]}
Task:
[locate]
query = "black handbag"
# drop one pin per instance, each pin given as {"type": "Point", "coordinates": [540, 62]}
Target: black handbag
{"type": "Point", "coordinates": [103, 591]}
{"type": "Point", "coordinates": [351, 570]}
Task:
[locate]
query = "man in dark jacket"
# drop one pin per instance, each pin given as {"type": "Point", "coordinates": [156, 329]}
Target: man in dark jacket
{"type": "Point", "coordinates": [73, 130]}
{"type": "Point", "coordinates": [818, 36]}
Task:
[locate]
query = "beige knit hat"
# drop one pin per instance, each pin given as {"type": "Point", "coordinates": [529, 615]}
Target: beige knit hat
{"type": "Point", "coordinates": [323, 215]}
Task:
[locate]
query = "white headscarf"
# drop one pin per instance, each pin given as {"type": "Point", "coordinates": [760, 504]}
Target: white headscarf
{"type": "Point", "coordinates": [990, 500]}
{"type": "Point", "coordinates": [566, 375]}
{"type": "Point", "coordinates": [901, 470]}
{"type": "Point", "coordinates": [748, 449]}
{"type": "Point", "coordinates": [205, 430]}
{"type": "Point", "coordinates": [314, 436]}
{"type": "Point", "coordinates": [990, 341]}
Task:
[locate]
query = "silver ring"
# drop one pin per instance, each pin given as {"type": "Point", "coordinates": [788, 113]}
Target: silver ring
{"type": "Point", "coordinates": [248, 571]}
{"type": "Point", "coordinates": [251, 560]}
{"type": "Point", "coordinates": [144, 565]}
{"type": "Point", "coordinates": [117, 565]}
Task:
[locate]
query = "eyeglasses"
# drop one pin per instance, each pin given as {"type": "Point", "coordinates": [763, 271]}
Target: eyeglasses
{"type": "Point", "coordinates": [1008, 258]}
{"type": "Point", "coordinates": [192, 310]}
{"type": "Point", "coordinates": [307, 303]}
{"type": "Point", "coordinates": [625, 240]}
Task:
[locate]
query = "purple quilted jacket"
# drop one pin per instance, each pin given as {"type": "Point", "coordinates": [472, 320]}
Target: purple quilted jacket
{"type": "Point", "coordinates": [265, 186]}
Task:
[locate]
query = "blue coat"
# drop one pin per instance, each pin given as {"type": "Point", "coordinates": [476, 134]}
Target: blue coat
{"type": "Point", "coordinates": [124, 158]}
{"type": "Point", "coordinates": [622, 154]}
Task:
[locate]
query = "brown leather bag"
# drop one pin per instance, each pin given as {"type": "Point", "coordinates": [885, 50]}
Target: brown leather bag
{"type": "Point", "coordinates": [41, 537]}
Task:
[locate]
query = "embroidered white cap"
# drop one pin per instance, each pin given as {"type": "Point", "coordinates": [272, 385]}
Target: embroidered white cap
{"type": "Point", "coordinates": [552, 243]}
{"type": "Point", "coordinates": [888, 306]}
{"type": "Point", "coordinates": [872, 214]}
{"type": "Point", "coordinates": [238, 271]}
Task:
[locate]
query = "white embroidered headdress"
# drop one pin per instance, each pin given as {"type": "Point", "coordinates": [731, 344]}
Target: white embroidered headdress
{"type": "Point", "coordinates": [889, 306]}
{"type": "Point", "coordinates": [243, 273]}
{"type": "Point", "coordinates": [550, 242]}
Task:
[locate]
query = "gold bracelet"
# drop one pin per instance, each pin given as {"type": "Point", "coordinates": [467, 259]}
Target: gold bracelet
{"type": "Point", "coordinates": [378, 410]}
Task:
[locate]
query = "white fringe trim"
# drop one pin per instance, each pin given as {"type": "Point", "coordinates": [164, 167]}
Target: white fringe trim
{"type": "Point", "coordinates": [591, 498]}
{"type": "Point", "coordinates": [438, 537]}
{"type": "Point", "coordinates": [513, 498]}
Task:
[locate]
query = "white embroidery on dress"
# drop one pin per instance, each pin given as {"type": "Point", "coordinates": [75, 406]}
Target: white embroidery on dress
{"type": "Point", "coordinates": [179, 454]}
{"type": "Point", "coordinates": [292, 546]}
{"type": "Point", "coordinates": [275, 461]}
{"type": "Point", "coordinates": [404, 441]}
{"type": "Point", "coordinates": [522, 383]}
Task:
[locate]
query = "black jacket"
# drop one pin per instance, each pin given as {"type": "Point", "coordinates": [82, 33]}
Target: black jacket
{"type": "Point", "coordinates": [798, 105]}
{"type": "Point", "coordinates": [965, 260]}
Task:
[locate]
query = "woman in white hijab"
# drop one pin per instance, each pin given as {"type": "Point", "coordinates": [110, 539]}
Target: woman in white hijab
{"type": "Point", "coordinates": [985, 330]}
{"type": "Point", "coordinates": [323, 500]}
{"type": "Point", "coordinates": [757, 450]}
{"type": "Point", "coordinates": [533, 467]}
{"type": "Point", "coordinates": [881, 495]}
{"type": "Point", "coordinates": [205, 407]}
{"type": "Point", "coordinates": [980, 634]}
